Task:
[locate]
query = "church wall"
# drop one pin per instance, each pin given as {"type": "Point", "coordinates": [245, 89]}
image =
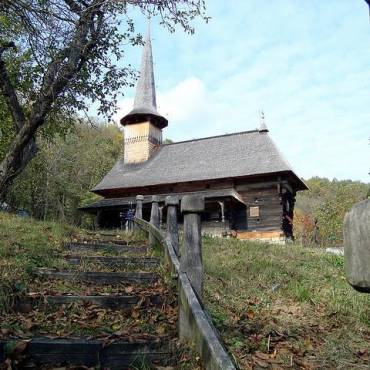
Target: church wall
{"type": "Point", "coordinates": [263, 206]}
{"type": "Point", "coordinates": [266, 215]}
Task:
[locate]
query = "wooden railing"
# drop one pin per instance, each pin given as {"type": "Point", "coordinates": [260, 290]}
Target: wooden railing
{"type": "Point", "coordinates": [186, 264]}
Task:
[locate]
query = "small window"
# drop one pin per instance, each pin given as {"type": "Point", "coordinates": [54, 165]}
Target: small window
{"type": "Point", "coordinates": [254, 211]}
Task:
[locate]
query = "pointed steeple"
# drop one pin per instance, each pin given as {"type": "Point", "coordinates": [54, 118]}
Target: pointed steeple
{"type": "Point", "coordinates": [145, 90]}
{"type": "Point", "coordinates": [145, 103]}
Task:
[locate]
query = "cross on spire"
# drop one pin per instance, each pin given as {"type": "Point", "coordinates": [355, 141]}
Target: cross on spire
{"type": "Point", "coordinates": [263, 126]}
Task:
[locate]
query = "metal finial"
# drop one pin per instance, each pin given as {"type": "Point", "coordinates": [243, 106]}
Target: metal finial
{"type": "Point", "coordinates": [263, 126]}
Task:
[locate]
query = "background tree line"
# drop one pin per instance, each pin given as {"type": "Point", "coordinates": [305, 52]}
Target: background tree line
{"type": "Point", "coordinates": [66, 167]}
{"type": "Point", "coordinates": [319, 212]}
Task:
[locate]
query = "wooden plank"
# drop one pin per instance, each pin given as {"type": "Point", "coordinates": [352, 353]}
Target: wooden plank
{"type": "Point", "coordinates": [70, 351]}
{"type": "Point", "coordinates": [94, 247]}
{"type": "Point", "coordinates": [115, 261]}
{"type": "Point", "coordinates": [114, 241]}
{"type": "Point", "coordinates": [100, 277]}
{"type": "Point", "coordinates": [116, 302]}
{"type": "Point", "coordinates": [260, 234]}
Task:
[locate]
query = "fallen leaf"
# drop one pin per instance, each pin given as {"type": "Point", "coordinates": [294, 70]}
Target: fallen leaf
{"type": "Point", "coordinates": [262, 356]}
{"type": "Point", "coordinates": [135, 314]}
{"type": "Point", "coordinates": [116, 327]}
{"type": "Point", "coordinates": [129, 289]}
{"type": "Point", "coordinates": [250, 314]}
{"type": "Point", "coordinates": [4, 331]}
{"type": "Point", "coordinates": [18, 348]}
{"type": "Point", "coordinates": [260, 362]}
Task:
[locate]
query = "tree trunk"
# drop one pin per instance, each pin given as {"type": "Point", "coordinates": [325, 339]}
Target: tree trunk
{"type": "Point", "coordinates": [20, 153]}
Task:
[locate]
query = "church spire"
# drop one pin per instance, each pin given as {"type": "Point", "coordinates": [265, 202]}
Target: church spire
{"type": "Point", "coordinates": [145, 103]}
{"type": "Point", "coordinates": [145, 90]}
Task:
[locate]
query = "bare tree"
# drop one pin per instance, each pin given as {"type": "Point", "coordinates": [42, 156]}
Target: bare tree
{"type": "Point", "coordinates": [72, 48]}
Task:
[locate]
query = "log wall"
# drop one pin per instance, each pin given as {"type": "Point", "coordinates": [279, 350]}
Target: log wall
{"type": "Point", "coordinates": [269, 212]}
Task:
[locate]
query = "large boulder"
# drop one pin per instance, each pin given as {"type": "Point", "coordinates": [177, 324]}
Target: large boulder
{"type": "Point", "coordinates": [357, 246]}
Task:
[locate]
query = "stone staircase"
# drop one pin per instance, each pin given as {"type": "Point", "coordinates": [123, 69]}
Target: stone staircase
{"type": "Point", "coordinates": [110, 306]}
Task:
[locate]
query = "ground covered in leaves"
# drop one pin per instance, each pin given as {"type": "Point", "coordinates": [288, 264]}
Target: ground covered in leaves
{"type": "Point", "coordinates": [26, 245]}
{"type": "Point", "coordinates": [280, 307]}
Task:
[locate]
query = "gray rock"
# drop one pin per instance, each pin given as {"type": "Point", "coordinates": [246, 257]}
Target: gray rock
{"type": "Point", "coordinates": [336, 251]}
{"type": "Point", "coordinates": [357, 246]}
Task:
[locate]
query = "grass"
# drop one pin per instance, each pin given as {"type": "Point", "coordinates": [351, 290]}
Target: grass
{"type": "Point", "coordinates": [288, 302]}
{"type": "Point", "coordinates": [26, 244]}
{"type": "Point", "coordinates": [275, 306]}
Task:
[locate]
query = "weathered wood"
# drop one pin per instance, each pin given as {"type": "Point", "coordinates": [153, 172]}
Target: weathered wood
{"type": "Point", "coordinates": [154, 220]}
{"type": "Point", "coordinates": [194, 324]}
{"type": "Point", "coordinates": [191, 261]}
{"type": "Point", "coordinates": [95, 247]}
{"type": "Point", "coordinates": [115, 261]}
{"type": "Point", "coordinates": [196, 327]}
{"type": "Point", "coordinates": [268, 199]}
{"type": "Point", "coordinates": [100, 277]}
{"type": "Point", "coordinates": [115, 302]}
{"type": "Point", "coordinates": [114, 241]}
{"type": "Point", "coordinates": [115, 356]}
{"type": "Point", "coordinates": [139, 206]}
{"type": "Point", "coordinates": [172, 225]}
{"type": "Point", "coordinates": [357, 246]}
{"type": "Point", "coordinates": [252, 235]}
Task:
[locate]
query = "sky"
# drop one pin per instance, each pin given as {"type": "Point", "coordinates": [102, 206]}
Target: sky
{"type": "Point", "coordinates": [305, 63]}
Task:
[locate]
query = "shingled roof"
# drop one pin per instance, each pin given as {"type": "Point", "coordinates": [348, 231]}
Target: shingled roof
{"type": "Point", "coordinates": [242, 154]}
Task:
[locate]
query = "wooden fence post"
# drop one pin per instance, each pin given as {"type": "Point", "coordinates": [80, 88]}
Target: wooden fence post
{"type": "Point", "coordinates": [356, 230]}
{"type": "Point", "coordinates": [154, 219]}
{"type": "Point", "coordinates": [139, 206]}
{"type": "Point", "coordinates": [172, 226]}
{"type": "Point", "coordinates": [98, 219]}
{"type": "Point", "coordinates": [191, 258]}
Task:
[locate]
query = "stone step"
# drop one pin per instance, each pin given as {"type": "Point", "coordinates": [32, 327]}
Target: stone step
{"type": "Point", "coordinates": [149, 262]}
{"type": "Point", "coordinates": [94, 247]}
{"type": "Point", "coordinates": [111, 278]}
{"type": "Point", "coordinates": [83, 352]}
{"type": "Point", "coordinates": [115, 302]}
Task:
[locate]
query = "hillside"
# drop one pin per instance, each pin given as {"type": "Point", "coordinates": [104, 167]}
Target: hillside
{"type": "Point", "coordinates": [107, 300]}
{"type": "Point", "coordinates": [275, 307]}
{"type": "Point", "coordinates": [285, 307]}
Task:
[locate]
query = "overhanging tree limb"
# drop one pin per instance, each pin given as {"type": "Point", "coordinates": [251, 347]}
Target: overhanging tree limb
{"type": "Point", "coordinates": [72, 46]}
{"type": "Point", "coordinates": [9, 93]}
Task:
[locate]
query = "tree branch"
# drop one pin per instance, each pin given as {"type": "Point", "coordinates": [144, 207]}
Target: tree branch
{"type": "Point", "coordinates": [8, 91]}
{"type": "Point", "coordinates": [368, 3]}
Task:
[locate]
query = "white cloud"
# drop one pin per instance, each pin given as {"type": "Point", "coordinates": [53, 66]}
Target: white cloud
{"type": "Point", "coordinates": [181, 102]}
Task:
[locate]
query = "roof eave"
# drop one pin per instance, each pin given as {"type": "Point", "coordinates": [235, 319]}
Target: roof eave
{"type": "Point", "coordinates": [143, 116]}
{"type": "Point", "coordinates": [300, 185]}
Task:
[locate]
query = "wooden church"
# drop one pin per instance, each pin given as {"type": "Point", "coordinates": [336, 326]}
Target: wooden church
{"type": "Point", "coordinates": [249, 188]}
